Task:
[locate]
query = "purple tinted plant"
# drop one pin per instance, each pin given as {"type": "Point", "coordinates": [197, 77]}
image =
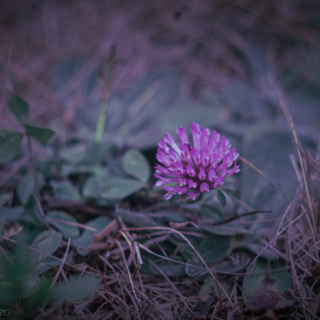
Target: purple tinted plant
{"type": "Point", "coordinates": [194, 169]}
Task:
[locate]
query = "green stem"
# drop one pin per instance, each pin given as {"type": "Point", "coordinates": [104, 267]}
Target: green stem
{"type": "Point", "coordinates": [33, 167]}
{"type": "Point", "coordinates": [102, 119]}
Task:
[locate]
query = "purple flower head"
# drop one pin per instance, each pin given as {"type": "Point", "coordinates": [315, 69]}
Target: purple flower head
{"type": "Point", "coordinates": [194, 169]}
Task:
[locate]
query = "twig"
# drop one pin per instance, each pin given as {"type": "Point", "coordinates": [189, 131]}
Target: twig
{"type": "Point", "coordinates": [61, 264]}
{"type": "Point", "coordinates": [33, 167]}
{"type": "Point", "coordinates": [2, 250]}
{"type": "Point", "coordinates": [266, 177]}
{"type": "Point", "coordinates": [237, 216]}
{"type": "Point", "coordinates": [112, 226]}
{"type": "Point", "coordinates": [307, 158]}
{"type": "Point", "coordinates": [219, 285]}
{"type": "Point", "coordinates": [128, 271]}
{"type": "Point", "coordinates": [43, 216]}
{"type": "Point", "coordinates": [45, 237]}
{"type": "Point", "coordinates": [173, 286]}
{"type": "Point", "coordinates": [74, 224]}
{"type": "Point", "coordinates": [285, 109]}
{"type": "Point", "coordinates": [278, 233]}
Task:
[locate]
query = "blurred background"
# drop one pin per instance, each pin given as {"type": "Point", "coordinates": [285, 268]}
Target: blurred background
{"type": "Point", "coordinates": [157, 65]}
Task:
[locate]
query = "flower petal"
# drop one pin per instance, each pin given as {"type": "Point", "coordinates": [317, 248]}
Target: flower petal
{"type": "Point", "coordinates": [195, 130]}
{"type": "Point", "coordinates": [204, 187]}
{"type": "Point", "coordinates": [170, 141]}
{"type": "Point", "coordinates": [183, 137]}
{"type": "Point", "coordinates": [202, 174]}
{"type": "Point", "coordinates": [193, 195]}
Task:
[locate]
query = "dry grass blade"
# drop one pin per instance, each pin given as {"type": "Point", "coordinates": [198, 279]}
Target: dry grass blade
{"type": "Point", "coordinates": [285, 109]}
{"type": "Point", "coordinates": [276, 236]}
{"type": "Point", "coordinates": [263, 175]}
{"type": "Point", "coordinates": [219, 286]}
{"type": "Point", "coordinates": [130, 278]}
{"type": "Point", "coordinates": [70, 223]}
{"type": "Point", "coordinates": [171, 284]}
{"type": "Point", "coordinates": [61, 264]}
{"type": "Point", "coordinates": [112, 226]}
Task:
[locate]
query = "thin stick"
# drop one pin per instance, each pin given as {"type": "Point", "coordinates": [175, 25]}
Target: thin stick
{"type": "Point", "coordinates": [263, 175]}
{"type": "Point", "coordinates": [219, 285]}
{"type": "Point", "coordinates": [312, 164]}
{"type": "Point", "coordinates": [238, 216]}
{"type": "Point", "coordinates": [288, 116]}
{"type": "Point", "coordinates": [173, 286]}
{"type": "Point", "coordinates": [43, 216]}
{"type": "Point", "coordinates": [61, 264]}
{"type": "Point", "coordinates": [128, 271]}
{"type": "Point", "coordinates": [45, 237]}
{"type": "Point", "coordinates": [2, 250]}
{"type": "Point", "coordinates": [33, 167]}
{"type": "Point", "coordinates": [70, 223]}
{"type": "Point", "coordinates": [275, 237]}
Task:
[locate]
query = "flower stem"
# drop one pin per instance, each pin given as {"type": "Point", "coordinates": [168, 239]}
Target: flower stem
{"type": "Point", "coordinates": [33, 167]}
{"type": "Point", "coordinates": [102, 118]}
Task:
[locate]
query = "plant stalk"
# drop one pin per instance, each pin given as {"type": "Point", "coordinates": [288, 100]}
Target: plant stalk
{"type": "Point", "coordinates": [33, 168]}
{"type": "Point", "coordinates": [102, 118]}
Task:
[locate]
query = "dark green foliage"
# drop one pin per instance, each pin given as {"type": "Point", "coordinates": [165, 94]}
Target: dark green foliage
{"type": "Point", "coordinates": [119, 188]}
{"type": "Point", "coordinates": [68, 230]}
{"type": "Point", "coordinates": [19, 108]}
{"type": "Point", "coordinates": [222, 198]}
{"type": "Point", "coordinates": [135, 164]}
{"type": "Point", "coordinates": [43, 135]}
{"type": "Point", "coordinates": [9, 144]}
{"type": "Point", "coordinates": [268, 288]}
{"type": "Point", "coordinates": [64, 190]}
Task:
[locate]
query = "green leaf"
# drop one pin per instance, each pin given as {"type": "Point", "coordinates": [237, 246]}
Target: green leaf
{"type": "Point", "coordinates": [119, 188]}
{"type": "Point", "coordinates": [68, 231]}
{"type": "Point", "coordinates": [75, 289]}
{"type": "Point", "coordinates": [209, 289]}
{"type": "Point", "coordinates": [174, 198]}
{"type": "Point", "coordinates": [65, 190]}
{"type": "Point", "coordinates": [9, 144]}
{"type": "Point", "coordinates": [135, 164]}
{"type": "Point", "coordinates": [49, 263]}
{"type": "Point", "coordinates": [48, 245]}
{"type": "Point", "coordinates": [4, 198]}
{"type": "Point", "coordinates": [87, 236]}
{"type": "Point", "coordinates": [136, 218]}
{"type": "Point", "coordinates": [43, 135]}
{"type": "Point", "coordinates": [215, 248]}
{"type": "Point", "coordinates": [63, 72]}
{"type": "Point", "coordinates": [91, 188]}
{"type": "Point", "coordinates": [20, 108]}
{"type": "Point", "coordinates": [272, 158]}
{"type": "Point", "coordinates": [211, 212]}
{"type": "Point", "coordinates": [212, 249]}
{"type": "Point", "coordinates": [222, 198]}
{"type": "Point", "coordinates": [230, 193]}
{"type": "Point", "coordinates": [12, 214]}
{"type": "Point", "coordinates": [169, 268]}
{"type": "Point", "coordinates": [191, 271]}
{"type": "Point", "coordinates": [233, 266]}
{"type": "Point", "coordinates": [269, 289]}
{"type": "Point", "coordinates": [101, 174]}
{"type": "Point", "coordinates": [228, 229]}
{"type": "Point", "coordinates": [266, 253]}
{"type": "Point", "coordinates": [27, 186]}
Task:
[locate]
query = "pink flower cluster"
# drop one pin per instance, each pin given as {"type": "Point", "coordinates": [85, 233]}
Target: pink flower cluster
{"type": "Point", "coordinates": [195, 169]}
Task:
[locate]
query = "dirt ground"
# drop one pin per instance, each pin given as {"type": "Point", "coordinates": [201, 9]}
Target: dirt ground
{"type": "Point", "coordinates": [208, 42]}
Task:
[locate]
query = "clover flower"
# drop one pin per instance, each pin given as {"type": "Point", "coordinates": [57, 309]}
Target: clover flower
{"type": "Point", "coordinates": [194, 169]}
